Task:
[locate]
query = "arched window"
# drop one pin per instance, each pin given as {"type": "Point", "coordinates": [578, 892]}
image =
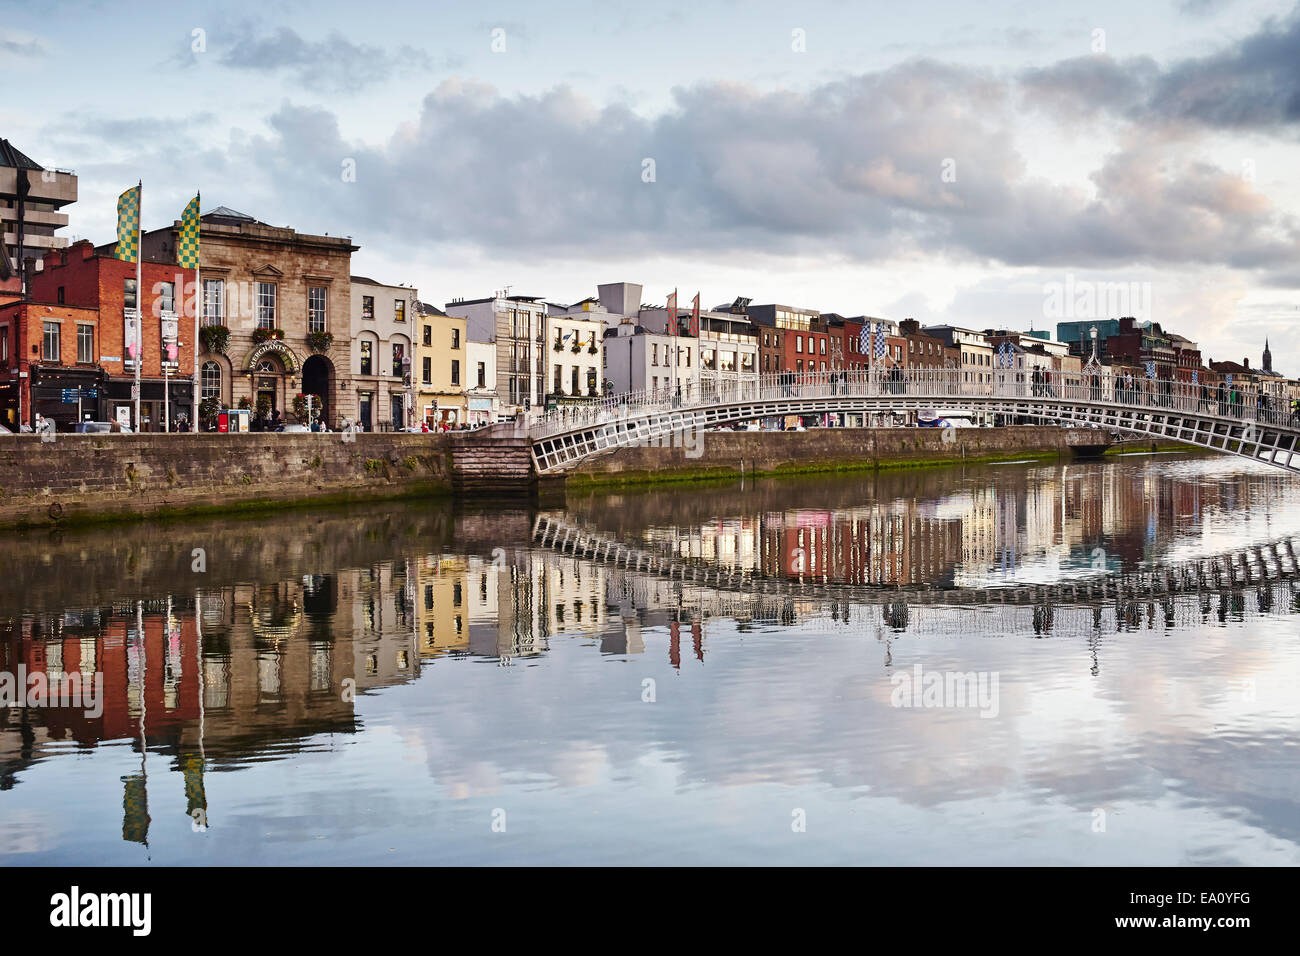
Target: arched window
{"type": "Point", "coordinates": [211, 380]}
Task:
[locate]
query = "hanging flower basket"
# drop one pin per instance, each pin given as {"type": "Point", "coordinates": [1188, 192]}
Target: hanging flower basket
{"type": "Point", "coordinates": [320, 341]}
{"type": "Point", "coordinates": [266, 335]}
{"type": "Point", "coordinates": [214, 338]}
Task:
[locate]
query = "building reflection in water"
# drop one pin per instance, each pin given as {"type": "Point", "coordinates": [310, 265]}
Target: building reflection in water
{"type": "Point", "coordinates": [276, 660]}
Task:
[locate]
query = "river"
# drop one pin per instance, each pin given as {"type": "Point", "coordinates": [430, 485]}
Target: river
{"type": "Point", "coordinates": [999, 664]}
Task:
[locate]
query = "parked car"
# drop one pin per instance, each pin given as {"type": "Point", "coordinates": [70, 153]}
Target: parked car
{"type": "Point", "coordinates": [101, 428]}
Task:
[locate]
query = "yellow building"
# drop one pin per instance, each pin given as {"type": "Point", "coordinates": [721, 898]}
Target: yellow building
{"type": "Point", "coordinates": [440, 367]}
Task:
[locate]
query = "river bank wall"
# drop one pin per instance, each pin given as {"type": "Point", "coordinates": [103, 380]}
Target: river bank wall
{"type": "Point", "coordinates": [723, 454]}
{"type": "Point", "coordinates": [86, 478]}
{"type": "Point", "coordinates": [79, 478]}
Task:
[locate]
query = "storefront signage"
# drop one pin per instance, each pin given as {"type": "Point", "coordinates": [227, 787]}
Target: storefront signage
{"type": "Point", "coordinates": [286, 355]}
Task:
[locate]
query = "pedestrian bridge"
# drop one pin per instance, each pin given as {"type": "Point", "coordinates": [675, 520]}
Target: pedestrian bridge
{"type": "Point", "coordinates": [1229, 419]}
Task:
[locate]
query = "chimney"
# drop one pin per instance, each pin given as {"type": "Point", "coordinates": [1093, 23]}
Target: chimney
{"type": "Point", "coordinates": [1245, 363]}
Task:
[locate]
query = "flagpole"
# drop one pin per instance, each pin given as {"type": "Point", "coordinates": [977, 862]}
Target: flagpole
{"type": "Point", "coordinates": [139, 299]}
{"type": "Point", "coordinates": [198, 311]}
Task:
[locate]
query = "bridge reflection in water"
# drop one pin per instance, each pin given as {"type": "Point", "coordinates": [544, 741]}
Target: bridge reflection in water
{"type": "Point", "coordinates": [272, 653]}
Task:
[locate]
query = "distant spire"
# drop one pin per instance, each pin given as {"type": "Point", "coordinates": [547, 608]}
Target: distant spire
{"type": "Point", "coordinates": [1268, 357]}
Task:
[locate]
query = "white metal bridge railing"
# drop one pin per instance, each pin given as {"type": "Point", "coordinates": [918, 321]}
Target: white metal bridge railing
{"type": "Point", "coordinates": [1244, 404]}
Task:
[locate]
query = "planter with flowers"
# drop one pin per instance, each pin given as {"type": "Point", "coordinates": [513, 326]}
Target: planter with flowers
{"type": "Point", "coordinates": [266, 335]}
{"type": "Point", "coordinates": [320, 341]}
{"type": "Point", "coordinates": [214, 338]}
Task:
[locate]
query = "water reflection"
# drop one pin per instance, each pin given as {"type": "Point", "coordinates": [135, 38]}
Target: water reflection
{"type": "Point", "coordinates": [331, 662]}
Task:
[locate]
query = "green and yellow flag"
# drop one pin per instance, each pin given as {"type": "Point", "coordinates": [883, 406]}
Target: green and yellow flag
{"type": "Point", "coordinates": [187, 245]}
{"type": "Point", "coordinates": [128, 225]}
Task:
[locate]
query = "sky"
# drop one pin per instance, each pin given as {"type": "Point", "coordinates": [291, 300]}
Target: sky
{"type": "Point", "coordinates": [952, 162]}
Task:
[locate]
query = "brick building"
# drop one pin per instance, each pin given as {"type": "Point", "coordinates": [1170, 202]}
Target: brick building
{"type": "Point", "coordinates": [284, 297]}
{"type": "Point", "coordinates": [791, 339]}
{"type": "Point", "coordinates": [97, 349]}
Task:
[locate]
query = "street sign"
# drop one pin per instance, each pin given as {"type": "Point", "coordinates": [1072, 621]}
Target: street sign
{"type": "Point", "coordinates": [70, 396]}
{"type": "Point", "coordinates": [135, 391]}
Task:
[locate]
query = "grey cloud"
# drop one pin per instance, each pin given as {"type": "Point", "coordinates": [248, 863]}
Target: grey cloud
{"type": "Point", "coordinates": [334, 64]}
{"type": "Point", "coordinates": [851, 168]}
{"type": "Point", "coordinates": [1253, 83]}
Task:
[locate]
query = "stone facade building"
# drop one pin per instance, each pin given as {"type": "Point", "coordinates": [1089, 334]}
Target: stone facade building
{"type": "Point", "coordinates": [281, 300]}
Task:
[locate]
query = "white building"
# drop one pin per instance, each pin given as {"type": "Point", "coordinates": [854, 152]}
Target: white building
{"type": "Point", "coordinates": [481, 384]}
{"type": "Point", "coordinates": [638, 359]}
{"type": "Point", "coordinates": [383, 319]}
{"type": "Point", "coordinates": [575, 337]}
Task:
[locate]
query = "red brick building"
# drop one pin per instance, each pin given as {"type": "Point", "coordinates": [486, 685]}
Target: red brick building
{"type": "Point", "coordinates": [40, 372]}
{"type": "Point", "coordinates": [94, 349]}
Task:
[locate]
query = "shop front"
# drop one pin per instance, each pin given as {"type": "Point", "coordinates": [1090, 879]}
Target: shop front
{"type": "Point", "coordinates": [164, 405]}
{"type": "Point", "coordinates": [66, 395]}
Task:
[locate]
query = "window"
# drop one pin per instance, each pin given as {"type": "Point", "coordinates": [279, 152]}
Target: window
{"type": "Point", "coordinates": [823, 346]}
{"type": "Point", "coordinates": [798, 343]}
{"type": "Point", "coordinates": [266, 305]}
{"type": "Point", "coordinates": [85, 343]}
{"type": "Point", "coordinates": [316, 302]}
{"type": "Point", "coordinates": [482, 375]}
{"type": "Point", "coordinates": [367, 367]}
{"type": "Point", "coordinates": [166, 296]}
{"type": "Point", "coordinates": [367, 306]}
{"type": "Point", "coordinates": [4, 343]}
{"type": "Point", "coordinates": [60, 295]}
{"type": "Point", "coordinates": [455, 338]}
{"type": "Point", "coordinates": [427, 370]}
{"type": "Point", "coordinates": [654, 355]}
{"type": "Point", "coordinates": [399, 352]}
{"type": "Point", "coordinates": [399, 310]}
{"type": "Point", "coordinates": [214, 301]}
{"type": "Point", "coordinates": [128, 294]}
{"type": "Point", "coordinates": [455, 371]}
{"type": "Point", "coordinates": [428, 335]}
{"type": "Point", "coordinates": [558, 387]}
{"type": "Point", "coordinates": [50, 349]}
{"type": "Point", "coordinates": [210, 380]}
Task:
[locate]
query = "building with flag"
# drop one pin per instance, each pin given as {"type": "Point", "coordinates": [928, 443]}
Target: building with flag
{"type": "Point", "coordinates": [32, 199]}
{"type": "Point", "coordinates": [86, 367]}
{"type": "Point", "coordinates": [275, 313]}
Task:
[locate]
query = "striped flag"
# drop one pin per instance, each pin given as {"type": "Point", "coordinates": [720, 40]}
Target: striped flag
{"type": "Point", "coordinates": [672, 313]}
{"type": "Point", "coordinates": [187, 244]}
{"type": "Point", "coordinates": [128, 225]}
{"type": "Point", "coordinates": [695, 316]}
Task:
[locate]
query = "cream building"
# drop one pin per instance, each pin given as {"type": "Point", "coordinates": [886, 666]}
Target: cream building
{"type": "Point", "coordinates": [383, 330]}
{"type": "Point", "coordinates": [442, 357]}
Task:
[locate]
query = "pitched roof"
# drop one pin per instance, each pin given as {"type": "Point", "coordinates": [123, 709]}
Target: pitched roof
{"type": "Point", "coordinates": [225, 212]}
{"type": "Point", "coordinates": [9, 156]}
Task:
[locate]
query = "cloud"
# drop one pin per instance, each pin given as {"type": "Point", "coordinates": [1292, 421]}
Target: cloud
{"type": "Point", "coordinates": [21, 45]}
{"type": "Point", "coordinates": [334, 64]}
{"type": "Point", "coordinates": [1251, 84]}
{"type": "Point", "coordinates": [853, 168]}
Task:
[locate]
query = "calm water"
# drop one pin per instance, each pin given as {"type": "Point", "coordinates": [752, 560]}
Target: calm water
{"type": "Point", "coordinates": [719, 676]}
